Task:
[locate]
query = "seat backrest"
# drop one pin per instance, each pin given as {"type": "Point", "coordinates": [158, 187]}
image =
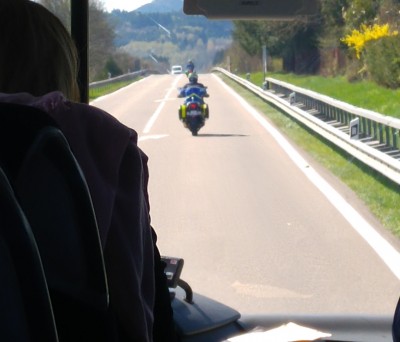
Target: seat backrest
{"type": "Point", "coordinates": [54, 196]}
{"type": "Point", "coordinates": [25, 308]}
{"type": "Point", "coordinates": [396, 323]}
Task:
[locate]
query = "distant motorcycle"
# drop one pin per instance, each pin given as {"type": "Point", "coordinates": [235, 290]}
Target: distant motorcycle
{"type": "Point", "coordinates": [189, 68]}
{"type": "Point", "coordinates": [194, 111]}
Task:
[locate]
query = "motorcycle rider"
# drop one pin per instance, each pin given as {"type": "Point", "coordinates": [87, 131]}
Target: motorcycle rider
{"type": "Point", "coordinates": [193, 82]}
{"type": "Point", "coordinates": [194, 88]}
{"type": "Point", "coordinates": [189, 67]}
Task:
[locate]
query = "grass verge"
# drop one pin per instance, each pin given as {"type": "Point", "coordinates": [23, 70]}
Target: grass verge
{"type": "Point", "coordinates": [380, 195]}
{"type": "Point", "coordinates": [107, 89]}
{"type": "Point", "coordinates": [363, 94]}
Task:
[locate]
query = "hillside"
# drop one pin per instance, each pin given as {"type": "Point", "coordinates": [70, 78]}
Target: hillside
{"type": "Point", "coordinates": [162, 30]}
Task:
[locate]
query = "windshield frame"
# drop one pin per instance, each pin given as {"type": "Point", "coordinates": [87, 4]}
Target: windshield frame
{"type": "Point", "coordinates": [80, 35]}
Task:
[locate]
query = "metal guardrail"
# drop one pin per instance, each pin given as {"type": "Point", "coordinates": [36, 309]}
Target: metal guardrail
{"type": "Point", "coordinates": [105, 84]}
{"type": "Point", "coordinates": [368, 136]}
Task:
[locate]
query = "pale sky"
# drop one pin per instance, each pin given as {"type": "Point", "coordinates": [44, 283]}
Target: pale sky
{"type": "Point", "coordinates": [127, 5]}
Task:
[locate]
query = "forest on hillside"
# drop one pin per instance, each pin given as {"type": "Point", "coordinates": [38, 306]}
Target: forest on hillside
{"type": "Point", "coordinates": [356, 38]}
{"type": "Point", "coordinates": [121, 42]}
{"type": "Point", "coordinates": [171, 38]}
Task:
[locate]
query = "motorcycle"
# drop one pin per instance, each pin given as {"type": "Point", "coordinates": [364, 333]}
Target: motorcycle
{"type": "Point", "coordinates": [194, 111]}
{"type": "Point", "coordinates": [189, 69]}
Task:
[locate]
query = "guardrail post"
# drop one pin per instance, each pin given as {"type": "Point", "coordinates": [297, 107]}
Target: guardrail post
{"type": "Point", "coordinates": [369, 129]}
{"type": "Point", "coordinates": [381, 140]}
{"type": "Point", "coordinates": [387, 135]}
{"type": "Point", "coordinates": [363, 126]}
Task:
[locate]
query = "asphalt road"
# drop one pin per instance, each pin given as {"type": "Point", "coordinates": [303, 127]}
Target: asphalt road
{"type": "Point", "coordinates": [254, 230]}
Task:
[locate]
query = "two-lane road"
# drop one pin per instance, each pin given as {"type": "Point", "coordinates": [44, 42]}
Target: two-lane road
{"type": "Point", "coordinates": [255, 231]}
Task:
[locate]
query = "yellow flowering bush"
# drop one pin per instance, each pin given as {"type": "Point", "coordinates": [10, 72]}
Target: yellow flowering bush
{"type": "Point", "coordinates": [358, 38]}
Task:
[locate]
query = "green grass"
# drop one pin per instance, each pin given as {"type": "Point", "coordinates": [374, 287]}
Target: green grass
{"type": "Point", "coordinates": [107, 89]}
{"type": "Point", "coordinates": [362, 94]}
{"type": "Point", "coordinates": [380, 195]}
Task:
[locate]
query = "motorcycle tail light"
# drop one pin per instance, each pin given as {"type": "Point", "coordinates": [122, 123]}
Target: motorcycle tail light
{"type": "Point", "coordinates": [193, 106]}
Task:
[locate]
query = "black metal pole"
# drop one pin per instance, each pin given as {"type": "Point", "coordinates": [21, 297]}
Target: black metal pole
{"type": "Point", "coordinates": [80, 34]}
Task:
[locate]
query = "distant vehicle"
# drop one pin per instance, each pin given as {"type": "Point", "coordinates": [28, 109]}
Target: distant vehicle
{"type": "Point", "coordinates": [176, 69]}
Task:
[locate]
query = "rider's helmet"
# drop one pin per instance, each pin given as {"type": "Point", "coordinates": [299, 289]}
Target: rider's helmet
{"type": "Point", "coordinates": [193, 77]}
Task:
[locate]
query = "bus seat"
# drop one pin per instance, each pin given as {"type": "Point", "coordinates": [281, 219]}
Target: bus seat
{"type": "Point", "coordinates": [25, 308]}
{"type": "Point", "coordinates": [54, 196]}
{"type": "Point", "coordinates": [396, 323]}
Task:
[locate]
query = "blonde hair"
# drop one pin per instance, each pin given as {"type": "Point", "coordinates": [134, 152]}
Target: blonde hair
{"type": "Point", "coordinates": [37, 54]}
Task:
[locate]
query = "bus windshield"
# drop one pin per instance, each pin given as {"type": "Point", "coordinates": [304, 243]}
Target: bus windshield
{"type": "Point", "coordinates": [278, 186]}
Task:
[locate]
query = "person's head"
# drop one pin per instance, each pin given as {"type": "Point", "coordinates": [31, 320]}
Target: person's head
{"type": "Point", "coordinates": [193, 78]}
{"type": "Point", "coordinates": [37, 53]}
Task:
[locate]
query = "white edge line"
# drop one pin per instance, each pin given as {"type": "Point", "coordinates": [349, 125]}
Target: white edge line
{"type": "Point", "coordinates": [384, 249]}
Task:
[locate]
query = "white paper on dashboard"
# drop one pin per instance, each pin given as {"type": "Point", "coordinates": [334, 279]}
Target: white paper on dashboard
{"type": "Point", "coordinates": [289, 332]}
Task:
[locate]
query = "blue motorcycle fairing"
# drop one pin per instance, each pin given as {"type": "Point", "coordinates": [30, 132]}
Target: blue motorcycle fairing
{"type": "Point", "coordinates": [193, 90]}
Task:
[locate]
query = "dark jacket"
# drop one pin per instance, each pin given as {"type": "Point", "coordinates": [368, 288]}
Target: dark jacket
{"type": "Point", "coordinates": [116, 171]}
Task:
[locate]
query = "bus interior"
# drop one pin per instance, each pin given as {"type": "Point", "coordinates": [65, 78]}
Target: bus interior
{"type": "Point", "coordinates": [198, 318]}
